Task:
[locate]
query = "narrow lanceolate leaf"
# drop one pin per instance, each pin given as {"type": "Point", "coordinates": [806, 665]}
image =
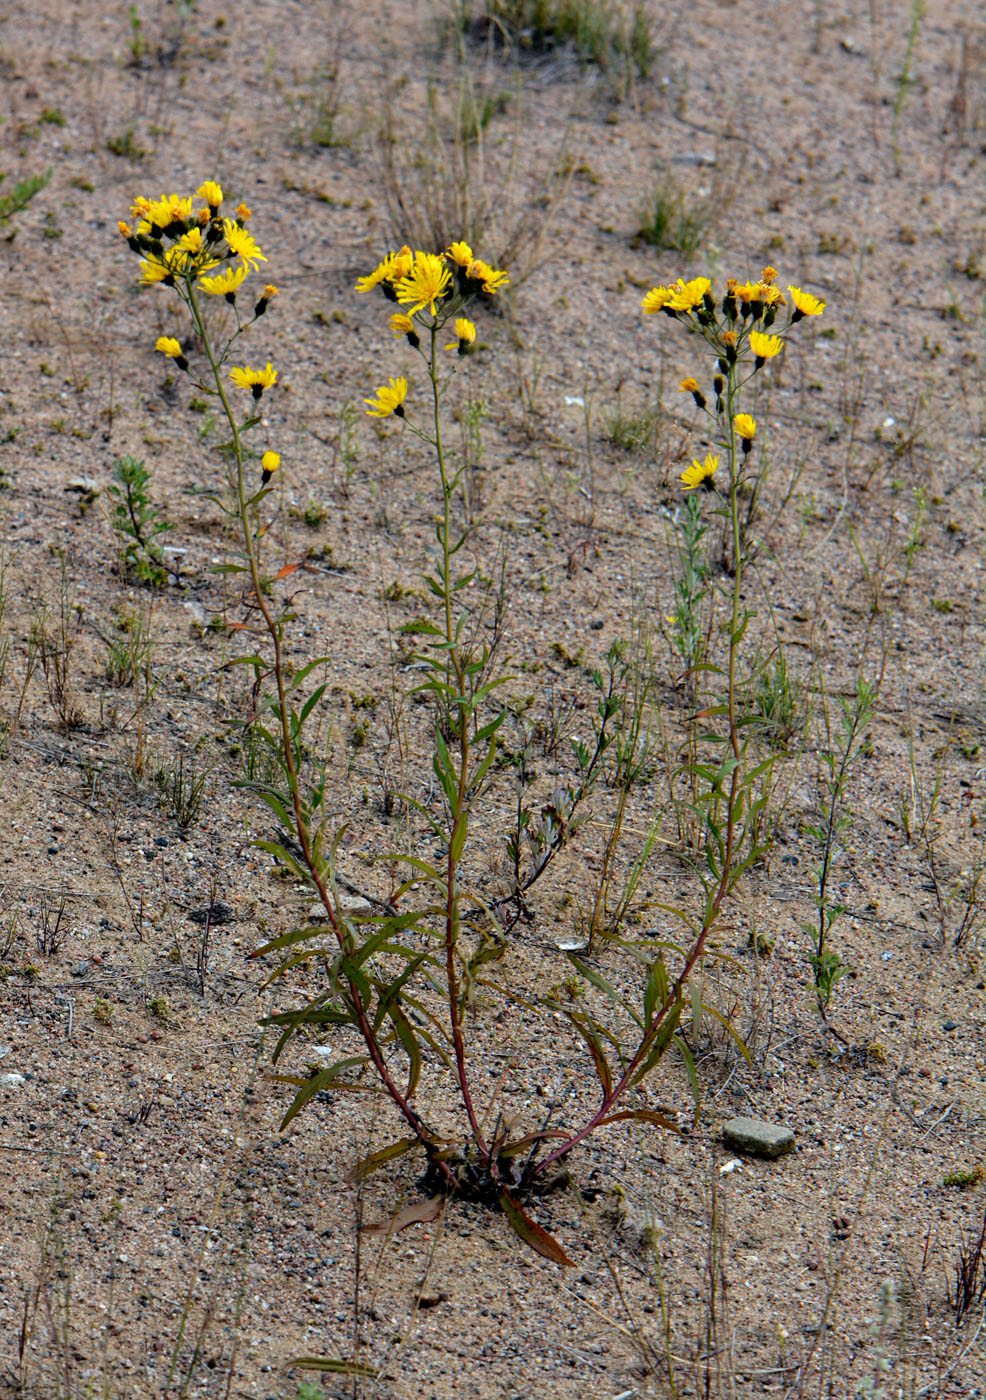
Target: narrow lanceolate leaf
{"type": "Point", "coordinates": [661, 1041]}
{"type": "Point", "coordinates": [378, 1159]}
{"type": "Point", "coordinates": [532, 1233]}
{"type": "Point", "coordinates": [318, 1082]}
{"type": "Point", "coordinates": [643, 1115]}
{"type": "Point", "coordinates": [409, 1040]}
{"type": "Point", "coordinates": [336, 1365]}
{"type": "Point", "coordinates": [595, 1048]}
{"type": "Point", "coordinates": [418, 1214]}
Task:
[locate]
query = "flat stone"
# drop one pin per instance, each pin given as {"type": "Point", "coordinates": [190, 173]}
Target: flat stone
{"type": "Point", "coordinates": [757, 1138]}
{"type": "Point", "coordinates": [11, 1081]}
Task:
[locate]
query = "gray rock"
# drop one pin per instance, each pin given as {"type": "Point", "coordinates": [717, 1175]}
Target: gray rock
{"type": "Point", "coordinates": [757, 1138]}
{"type": "Point", "coordinates": [11, 1081]}
{"type": "Point", "coordinates": [80, 969]}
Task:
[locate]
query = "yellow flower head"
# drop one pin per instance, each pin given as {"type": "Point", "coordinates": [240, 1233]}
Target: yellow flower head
{"type": "Point", "coordinates": [401, 324]}
{"type": "Point", "coordinates": [191, 242]}
{"type": "Point", "coordinates": [162, 269]}
{"type": "Point", "coordinates": [393, 267]}
{"type": "Point", "coordinates": [656, 300]}
{"type": "Point", "coordinates": [389, 399]}
{"type": "Point", "coordinates": [225, 283]}
{"type": "Point", "coordinates": [492, 278]}
{"type": "Point", "coordinates": [425, 284]}
{"type": "Point", "coordinates": [242, 244]}
{"type": "Point", "coordinates": [769, 274]}
{"type": "Point", "coordinates": [270, 292]}
{"type": "Point", "coordinates": [701, 473]}
{"type": "Point", "coordinates": [140, 207]}
{"type": "Point", "coordinates": [270, 462]}
{"type": "Point", "coordinates": [169, 346]}
{"type": "Point", "coordinates": [170, 209]}
{"type": "Point", "coordinates": [747, 291]}
{"type": "Point", "coordinates": [256, 380]}
{"type": "Point", "coordinates": [460, 254]}
{"type": "Point", "coordinates": [125, 230]}
{"type": "Point", "coordinates": [243, 213]}
{"type": "Point", "coordinates": [765, 347]}
{"type": "Point", "coordinates": [211, 193]}
{"type": "Point", "coordinates": [771, 295]}
{"type": "Point", "coordinates": [805, 304]}
{"type": "Point", "coordinates": [465, 335]}
{"type": "Point", "coordinates": [689, 385]}
{"type": "Point", "coordinates": [745, 426]}
{"type": "Point", "coordinates": [685, 296]}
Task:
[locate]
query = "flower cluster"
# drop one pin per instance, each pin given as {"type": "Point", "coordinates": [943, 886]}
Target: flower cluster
{"type": "Point", "coordinates": [431, 289]}
{"type": "Point", "coordinates": [188, 243]}
{"type": "Point", "coordinates": [739, 329]}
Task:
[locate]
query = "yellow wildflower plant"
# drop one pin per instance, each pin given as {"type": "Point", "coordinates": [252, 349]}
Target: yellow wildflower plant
{"type": "Point", "coordinates": [269, 464]}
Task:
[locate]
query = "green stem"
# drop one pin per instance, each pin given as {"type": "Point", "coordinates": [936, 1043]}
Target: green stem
{"type": "Point", "coordinates": [460, 815]}
{"type": "Point", "coordinates": [316, 867]}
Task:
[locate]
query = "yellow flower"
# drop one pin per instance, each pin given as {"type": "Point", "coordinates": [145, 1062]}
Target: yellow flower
{"type": "Point", "coordinates": [270, 462]}
{"type": "Point", "coordinates": [270, 291]}
{"type": "Point", "coordinates": [243, 213]}
{"type": "Point", "coordinates": [125, 229]}
{"type": "Point", "coordinates": [168, 346]}
{"type": "Point", "coordinates": [745, 426]}
{"type": "Point", "coordinates": [393, 266]}
{"type": "Point", "coordinates": [765, 347]}
{"type": "Point", "coordinates": [747, 291]}
{"type": "Point", "coordinates": [140, 207]}
{"type": "Point", "coordinates": [390, 399]}
{"type": "Point", "coordinates": [162, 269]}
{"type": "Point", "coordinates": [685, 296]}
{"type": "Point", "coordinates": [465, 333]}
{"type": "Point", "coordinates": [225, 284]}
{"type": "Point", "coordinates": [805, 304]}
{"type": "Point", "coordinates": [170, 209]}
{"type": "Point", "coordinates": [700, 473]}
{"type": "Point", "coordinates": [770, 295]}
{"type": "Point", "coordinates": [656, 300]}
{"type": "Point", "coordinates": [769, 274]}
{"type": "Point", "coordinates": [242, 244]}
{"type": "Point", "coordinates": [425, 283]}
{"type": "Point", "coordinates": [689, 385]}
{"type": "Point", "coordinates": [401, 324]}
{"type": "Point", "coordinates": [492, 278]}
{"type": "Point", "coordinates": [211, 193]}
{"type": "Point", "coordinates": [191, 242]}
{"type": "Point", "coordinates": [461, 254]}
{"type": "Point", "coordinates": [256, 380]}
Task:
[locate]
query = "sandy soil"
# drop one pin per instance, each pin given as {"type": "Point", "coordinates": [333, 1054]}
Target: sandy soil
{"type": "Point", "coordinates": [143, 1179]}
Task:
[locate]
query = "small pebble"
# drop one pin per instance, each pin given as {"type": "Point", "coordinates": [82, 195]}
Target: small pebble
{"type": "Point", "coordinates": [11, 1080]}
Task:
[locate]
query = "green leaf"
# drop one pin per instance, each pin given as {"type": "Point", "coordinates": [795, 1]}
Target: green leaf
{"type": "Point", "coordinates": [405, 1033]}
{"type": "Point", "coordinates": [532, 1233]}
{"type": "Point", "coordinates": [728, 1025]}
{"type": "Point", "coordinates": [689, 1061]}
{"type": "Point", "coordinates": [319, 1082]}
{"type": "Point", "coordinates": [661, 1041]}
{"type": "Point", "coordinates": [656, 993]}
{"type": "Point", "coordinates": [334, 1364]}
{"type": "Point", "coordinates": [311, 702]}
{"type": "Point", "coordinates": [644, 1115]}
{"type": "Point", "coordinates": [591, 1039]}
{"type": "Point", "coordinates": [370, 1164]}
